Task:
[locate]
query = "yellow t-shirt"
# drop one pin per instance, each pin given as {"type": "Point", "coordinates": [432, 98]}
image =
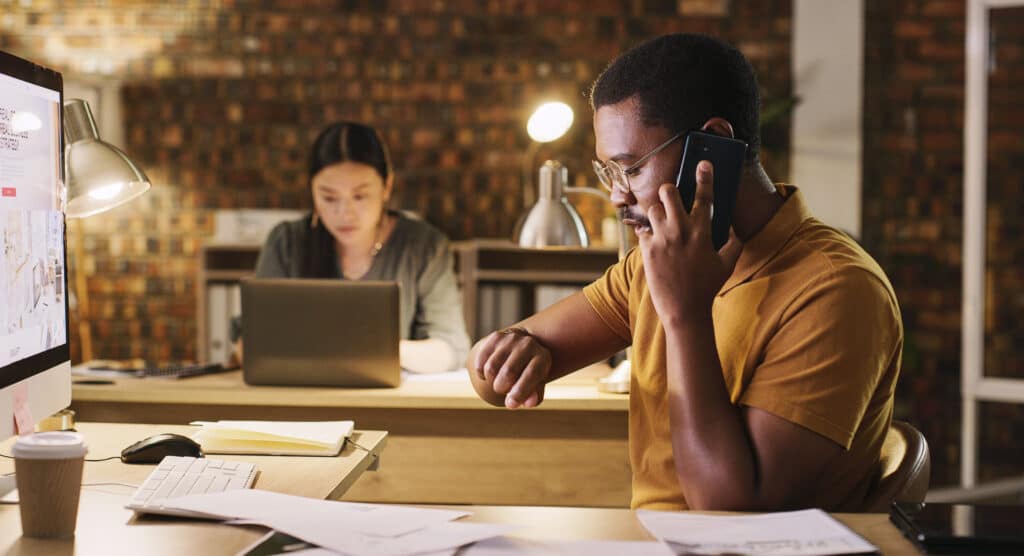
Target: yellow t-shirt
{"type": "Point", "coordinates": [807, 328]}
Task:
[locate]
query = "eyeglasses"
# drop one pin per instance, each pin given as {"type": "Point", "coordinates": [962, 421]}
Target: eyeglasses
{"type": "Point", "coordinates": [612, 174]}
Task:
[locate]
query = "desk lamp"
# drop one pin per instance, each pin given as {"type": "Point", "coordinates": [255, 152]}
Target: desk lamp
{"type": "Point", "coordinates": [547, 123]}
{"type": "Point", "coordinates": [99, 177]}
{"type": "Point", "coordinates": [552, 221]}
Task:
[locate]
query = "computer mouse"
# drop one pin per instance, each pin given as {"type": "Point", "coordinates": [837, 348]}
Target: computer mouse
{"type": "Point", "coordinates": [154, 448]}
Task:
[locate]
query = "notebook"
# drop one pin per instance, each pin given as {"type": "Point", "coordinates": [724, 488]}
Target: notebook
{"type": "Point", "coordinates": [320, 333]}
{"type": "Point", "coordinates": [278, 438]}
{"type": "Point", "coordinates": [961, 528]}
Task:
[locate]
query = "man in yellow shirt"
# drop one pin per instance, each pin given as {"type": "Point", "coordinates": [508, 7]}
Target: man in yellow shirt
{"type": "Point", "coordinates": [763, 373]}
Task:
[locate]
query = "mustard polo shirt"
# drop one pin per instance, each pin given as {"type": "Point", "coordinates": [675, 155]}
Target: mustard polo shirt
{"type": "Point", "coordinates": [807, 328]}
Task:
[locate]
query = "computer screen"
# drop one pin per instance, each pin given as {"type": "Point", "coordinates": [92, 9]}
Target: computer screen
{"type": "Point", "coordinates": [34, 354]}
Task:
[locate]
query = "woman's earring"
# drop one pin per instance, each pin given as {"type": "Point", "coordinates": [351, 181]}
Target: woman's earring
{"type": "Point", "coordinates": [315, 221]}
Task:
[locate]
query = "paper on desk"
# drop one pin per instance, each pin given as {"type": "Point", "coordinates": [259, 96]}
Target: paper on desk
{"type": "Point", "coordinates": [435, 538]}
{"type": "Point", "coordinates": [315, 432]}
{"type": "Point", "coordinates": [458, 375]}
{"type": "Point", "coordinates": [325, 552]}
{"type": "Point", "coordinates": [268, 508]}
{"type": "Point", "coordinates": [805, 532]}
{"type": "Point", "coordinates": [275, 543]}
{"type": "Point", "coordinates": [507, 546]}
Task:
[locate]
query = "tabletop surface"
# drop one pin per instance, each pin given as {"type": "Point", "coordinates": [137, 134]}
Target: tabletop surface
{"type": "Point", "coordinates": [106, 527]}
{"type": "Point", "coordinates": [577, 391]}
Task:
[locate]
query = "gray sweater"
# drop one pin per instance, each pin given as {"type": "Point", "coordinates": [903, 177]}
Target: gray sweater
{"type": "Point", "coordinates": [416, 255]}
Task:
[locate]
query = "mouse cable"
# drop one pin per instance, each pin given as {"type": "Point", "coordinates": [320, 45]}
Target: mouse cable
{"type": "Point", "coordinates": [109, 484]}
{"type": "Point", "coordinates": [88, 460]}
{"type": "Point", "coordinates": [367, 450]}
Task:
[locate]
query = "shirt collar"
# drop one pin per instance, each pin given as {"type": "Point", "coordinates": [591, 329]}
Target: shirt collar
{"type": "Point", "coordinates": [771, 239]}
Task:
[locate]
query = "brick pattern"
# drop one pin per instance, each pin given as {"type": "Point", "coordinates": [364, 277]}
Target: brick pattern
{"type": "Point", "coordinates": [1003, 423]}
{"type": "Point", "coordinates": [222, 99]}
{"type": "Point", "coordinates": [1005, 253]}
{"type": "Point", "coordinates": [912, 220]}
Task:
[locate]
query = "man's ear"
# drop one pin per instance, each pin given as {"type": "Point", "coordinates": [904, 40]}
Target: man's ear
{"type": "Point", "coordinates": [718, 126]}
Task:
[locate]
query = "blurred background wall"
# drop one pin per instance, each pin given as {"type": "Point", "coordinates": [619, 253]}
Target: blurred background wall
{"type": "Point", "coordinates": [221, 100]}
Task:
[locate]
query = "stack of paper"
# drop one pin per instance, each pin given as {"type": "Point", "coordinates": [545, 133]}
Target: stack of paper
{"type": "Point", "coordinates": [344, 527]}
{"type": "Point", "coordinates": [284, 438]}
{"type": "Point", "coordinates": [805, 532]}
{"type": "Point", "coordinates": [505, 546]}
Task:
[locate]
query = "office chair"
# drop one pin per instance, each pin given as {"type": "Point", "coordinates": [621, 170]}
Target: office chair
{"type": "Point", "coordinates": [903, 469]}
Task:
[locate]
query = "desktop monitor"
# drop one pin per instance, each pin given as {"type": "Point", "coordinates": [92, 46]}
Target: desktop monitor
{"type": "Point", "coordinates": [35, 363]}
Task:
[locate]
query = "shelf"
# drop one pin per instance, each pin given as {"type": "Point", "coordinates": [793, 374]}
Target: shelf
{"type": "Point", "coordinates": [227, 275]}
{"type": "Point", "coordinates": [538, 276]}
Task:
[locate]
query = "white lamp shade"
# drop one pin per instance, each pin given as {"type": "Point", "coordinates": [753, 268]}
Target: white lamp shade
{"type": "Point", "coordinates": [99, 175]}
{"type": "Point", "coordinates": [552, 220]}
{"type": "Point", "coordinates": [549, 121]}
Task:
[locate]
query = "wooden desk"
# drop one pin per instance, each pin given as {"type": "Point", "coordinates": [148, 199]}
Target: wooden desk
{"type": "Point", "coordinates": [445, 445]}
{"type": "Point", "coordinates": [102, 525]}
{"type": "Point", "coordinates": [105, 527]}
{"type": "Point", "coordinates": [547, 524]}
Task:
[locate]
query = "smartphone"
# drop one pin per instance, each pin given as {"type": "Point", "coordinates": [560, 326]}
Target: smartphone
{"type": "Point", "coordinates": [727, 156]}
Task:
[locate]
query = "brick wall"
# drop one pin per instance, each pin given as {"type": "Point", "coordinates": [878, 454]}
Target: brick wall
{"type": "Point", "coordinates": [222, 99]}
{"type": "Point", "coordinates": [1002, 425]}
{"type": "Point", "coordinates": [912, 221]}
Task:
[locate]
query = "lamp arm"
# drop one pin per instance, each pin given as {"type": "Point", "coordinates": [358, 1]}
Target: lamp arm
{"type": "Point", "coordinates": [589, 191]}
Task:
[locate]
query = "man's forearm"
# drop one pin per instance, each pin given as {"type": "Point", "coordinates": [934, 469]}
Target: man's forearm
{"type": "Point", "coordinates": [714, 458]}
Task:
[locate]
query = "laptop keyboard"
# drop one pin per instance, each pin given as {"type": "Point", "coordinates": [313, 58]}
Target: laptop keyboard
{"type": "Point", "coordinates": [178, 476]}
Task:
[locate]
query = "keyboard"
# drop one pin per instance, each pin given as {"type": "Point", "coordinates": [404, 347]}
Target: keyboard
{"type": "Point", "coordinates": [177, 476]}
{"type": "Point", "coordinates": [181, 370]}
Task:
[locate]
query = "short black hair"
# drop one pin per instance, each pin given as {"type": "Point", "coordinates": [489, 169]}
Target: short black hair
{"type": "Point", "coordinates": [681, 81]}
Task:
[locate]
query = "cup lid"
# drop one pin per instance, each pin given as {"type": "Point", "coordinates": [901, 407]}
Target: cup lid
{"type": "Point", "coordinates": [50, 445]}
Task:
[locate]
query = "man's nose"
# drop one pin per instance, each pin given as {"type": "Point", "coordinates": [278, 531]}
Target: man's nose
{"type": "Point", "coordinates": [621, 198]}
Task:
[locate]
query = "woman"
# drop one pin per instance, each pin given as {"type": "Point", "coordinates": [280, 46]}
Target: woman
{"type": "Point", "coordinates": [351, 235]}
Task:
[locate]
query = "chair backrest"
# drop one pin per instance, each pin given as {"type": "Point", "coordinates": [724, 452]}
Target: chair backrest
{"type": "Point", "coordinates": [903, 469]}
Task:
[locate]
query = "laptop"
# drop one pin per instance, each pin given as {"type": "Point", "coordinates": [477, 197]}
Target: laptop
{"type": "Point", "coordinates": [961, 528]}
{"type": "Point", "coordinates": [299, 332]}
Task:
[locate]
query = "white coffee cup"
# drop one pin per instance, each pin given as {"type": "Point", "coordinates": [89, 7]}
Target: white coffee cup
{"type": "Point", "coordinates": [48, 471]}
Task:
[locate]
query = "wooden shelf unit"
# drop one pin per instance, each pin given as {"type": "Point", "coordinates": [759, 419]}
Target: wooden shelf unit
{"type": "Point", "coordinates": [478, 262]}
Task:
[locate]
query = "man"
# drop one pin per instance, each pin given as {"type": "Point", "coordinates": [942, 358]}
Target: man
{"type": "Point", "coordinates": [763, 373]}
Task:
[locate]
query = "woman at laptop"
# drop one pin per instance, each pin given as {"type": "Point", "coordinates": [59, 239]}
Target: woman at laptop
{"type": "Point", "coordinates": [352, 235]}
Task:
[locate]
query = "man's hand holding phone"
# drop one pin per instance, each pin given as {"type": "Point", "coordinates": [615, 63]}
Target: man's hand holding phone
{"type": "Point", "coordinates": [684, 271]}
{"type": "Point", "coordinates": [514, 364]}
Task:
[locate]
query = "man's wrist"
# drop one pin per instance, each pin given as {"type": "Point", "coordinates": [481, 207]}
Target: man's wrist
{"type": "Point", "coordinates": [687, 320]}
{"type": "Point", "coordinates": [517, 330]}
